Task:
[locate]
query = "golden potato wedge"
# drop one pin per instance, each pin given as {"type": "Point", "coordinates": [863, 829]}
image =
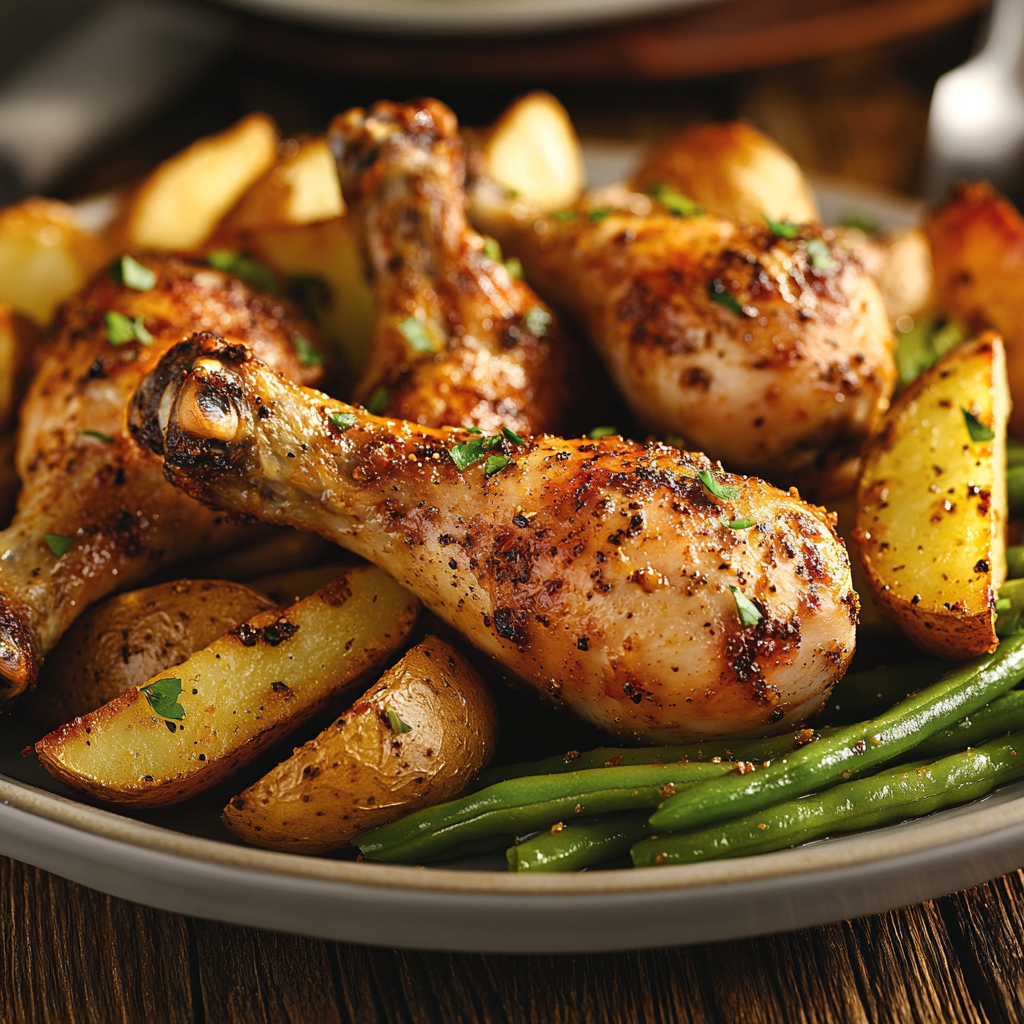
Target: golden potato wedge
{"type": "Point", "coordinates": [178, 205]}
{"type": "Point", "coordinates": [19, 339]}
{"type": "Point", "coordinates": [977, 244]}
{"type": "Point", "coordinates": [931, 512]}
{"type": "Point", "coordinates": [127, 639]}
{"type": "Point", "coordinates": [192, 726]}
{"type": "Point", "coordinates": [45, 256]}
{"type": "Point", "coordinates": [534, 152]}
{"type": "Point", "coordinates": [734, 170]}
{"type": "Point", "coordinates": [416, 738]}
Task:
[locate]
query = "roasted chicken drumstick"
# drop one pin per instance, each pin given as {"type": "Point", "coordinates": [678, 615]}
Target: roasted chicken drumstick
{"type": "Point", "coordinates": [95, 513]}
{"type": "Point", "coordinates": [459, 341]}
{"type": "Point", "coordinates": [658, 596]}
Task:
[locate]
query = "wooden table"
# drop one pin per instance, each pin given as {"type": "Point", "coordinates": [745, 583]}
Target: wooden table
{"type": "Point", "coordinates": [74, 956]}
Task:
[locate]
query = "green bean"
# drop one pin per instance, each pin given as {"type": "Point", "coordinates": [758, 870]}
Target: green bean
{"type": "Point", "coordinates": [519, 806]}
{"type": "Point", "coordinates": [1006, 714]}
{"type": "Point", "coordinates": [860, 694]}
{"type": "Point", "coordinates": [1014, 452]}
{"type": "Point", "coordinates": [851, 748]}
{"type": "Point", "coordinates": [1010, 607]}
{"type": "Point", "coordinates": [1015, 489]}
{"type": "Point", "coordinates": [580, 844]}
{"type": "Point", "coordinates": [883, 799]}
{"type": "Point", "coordinates": [1015, 562]}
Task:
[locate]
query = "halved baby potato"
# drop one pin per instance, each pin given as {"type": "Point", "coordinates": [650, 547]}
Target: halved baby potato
{"type": "Point", "coordinates": [932, 502]}
{"type": "Point", "coordinates": [191, 726]}
{"type": "Point", "coordinates": [416, 738]}
{"type": "Point", "coordinates": [129, 638]}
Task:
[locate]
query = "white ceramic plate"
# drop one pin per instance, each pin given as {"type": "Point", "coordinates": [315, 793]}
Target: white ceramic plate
{"type": "Point", "coordinates": [183, 860]}
{"type": "Point", "coordinates": [462, 17]}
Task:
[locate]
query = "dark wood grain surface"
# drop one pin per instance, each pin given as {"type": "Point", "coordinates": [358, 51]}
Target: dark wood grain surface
{"type": "Point", "coordinates": [73, 956]}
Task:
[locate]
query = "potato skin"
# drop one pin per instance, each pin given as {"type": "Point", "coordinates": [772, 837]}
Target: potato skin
{"type": "Point", "coordinates": [358, 773]}
{"type": "Point", "coordinates": [129, 638]}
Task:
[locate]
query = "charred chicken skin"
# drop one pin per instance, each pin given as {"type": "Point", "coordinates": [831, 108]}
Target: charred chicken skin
{"type": "Point", "coordinates": [459, 341]}
{"type": "Point", "coordinates": [95, 513]}
{"type": "Point", "coordinates": [604, 573]}
{"type": "Point", "coordinates": [773, 354]}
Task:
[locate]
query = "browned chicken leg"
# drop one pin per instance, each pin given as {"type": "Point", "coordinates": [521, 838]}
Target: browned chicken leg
{"type": "Point", "coordinates": [95, 513]}
{"type": "Point", "coordinates": [659, 597]}
{"type": "Point", "coordinates": [459, 341]}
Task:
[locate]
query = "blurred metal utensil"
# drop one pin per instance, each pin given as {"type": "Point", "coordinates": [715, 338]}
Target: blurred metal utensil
{"type": "Point", "coordinates": [976, 122]}
{"type": "Point", "coordinates": [124, 62]}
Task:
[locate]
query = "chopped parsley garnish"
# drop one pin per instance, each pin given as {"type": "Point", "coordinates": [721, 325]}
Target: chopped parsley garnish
{"type": "Point", "coordinates": [598, 432]}
{"type": "Point", "coordinates": [492, 249]}
{"type": "Point", "coordinates": [243, 267]}
{"type": "Point", "coordinates": [472, 430]}
{"type": "Point", "coordinates": [977, 429]}
{"type": "Point", "coordinates": [782, 228]}
{"type": "Point", "coordinates": [99, 435]}
{"type": "Point", "coordinates": [820, 254]}
{"type": "Point", "coordinates": [920, 343]}
{"type": "Point", "coordinates": [132, 274]}
{"type": "Point", "coordinates": [495, 464]}
{"type": "Point", "coordinates": [599, 213]}
{"type": "Point", "coordinates": [379, 401]}
{"type": "Point", "coordinates": [343, 420]}
{"type": "Point", "coordinates": [675, 202]}
{"type": "Point", "coordinates": [717, 292]}
{"type": "Point", "coordinates": [860, 219]}
{"type": "Point", "coordinates": [121, 329]}
{"type": "Point", "coordinates": [536, 321]}
{"type": "Point", "coordinates": [746, 609]}
{"type": "Point", "coordinates": [465, 453]}
{"type": "Point", "coordinates": [394, 722]}
{"type": "Point", "coordinates": [514, 267]}
{"type": "Point", "coordinates": [1004, 604]}
{"type": "Point", "coordinates": [716, 489]}
{"type": "Point", "coordinates": [305, 350]}
{"type": "Point", "coordinates": [163, 698]}
{"type": "Point", "coordinates": [415, 333]}
{"type": "Point", "coordinates": [739, 524]}
{"type": "Point", "coordinates": [58, 544]}
{"type": "Point", "coordinates": [511, 435]}
{"type": "Point", "coordinates": [564, 215]}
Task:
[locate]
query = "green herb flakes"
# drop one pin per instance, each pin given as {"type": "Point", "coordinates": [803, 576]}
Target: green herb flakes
{"type": "Point", "coordinates": [132, 274]}
{"type": "Point", "coordinates": [598, 432]}
{"type": "Point", "coordinates": [746, 609]}
{"type": "Point", "coordinates": [343, 420]}
{"type": "Point", "coordinates": [717, 292]}
{"type": "Point", "coordinates": [495, 464]}
{"type": "Point", "coordinates": [416, 334]}
{"type": "Point", "coordinates": [510, 435]}
{"type": "Point", "coordinates": [379, 401]}
{"type": "Point", "coordinates": [492, 249]}
{"type": "Point", "coordinates": [599, 213]}
{"type": "Point", "coordinates": [394, 722]}
{"type": "Point", "coordinates": [739, 524]}
{"type": "Point", "coordinates": [921, 343]}
{"type": "Point", "coordinates": [977, 429]}
{"type": "Point", "coordinates": [716, 489]}
{"type": "Point", "coordinates": [121, 329]}
{"type": "Point", "coordinates": [99, 435]}
{"type": "Point", "coordinates": [675, 202]}
{"type": "Point", "coordinates": [58, 544]}
{"type": "Point", "coordinates": [782, 228]}
{"type": "Point", "coordinates": [537, 321]}
{"type": "Point", "coordinates": [163, 698]}
{"type": "Point", "coordinates": [819, 254]}
{"type": "Point", "coordinates": [472, 430]}
{"type": "Point", "coordinates": [306, 351]}
{"type": "Point", "coordinates": [861, 219]}
{"type": "Point", "coordinates": [465, 453]}
{"type": "Point", "coordinates": [514, 267]}
{"type": "Point", "coordinates": [243, 267]}
{"type": "Point", "coordinates": [564, 215]}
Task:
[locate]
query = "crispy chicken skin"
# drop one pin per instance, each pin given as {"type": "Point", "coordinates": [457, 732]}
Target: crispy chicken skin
{"type": "Point", "coordinates": [598, 571]}
{"type": "Point", "coordinates": [82, 475]}
{"type": "Point", "coordinates": [458, 340]}
{"type": "Point", "coordinates": [726, 334]}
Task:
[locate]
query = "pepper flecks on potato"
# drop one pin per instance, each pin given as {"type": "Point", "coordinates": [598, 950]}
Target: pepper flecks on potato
{"type": "Point", "coordinates": [599, 571]}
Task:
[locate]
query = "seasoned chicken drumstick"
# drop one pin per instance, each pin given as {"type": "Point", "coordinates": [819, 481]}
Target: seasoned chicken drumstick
{"type": "Point", "coordinates": [459, 341]}
{"type": "Point", "coordinates": [95, 513]}
{"type": "Point", "coordinates": [773, 354]}
{"type": "Point", "coordinates": [659, 597]}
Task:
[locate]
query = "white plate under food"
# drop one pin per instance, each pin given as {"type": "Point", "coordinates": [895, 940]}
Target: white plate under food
{"type": "Point", "coordinates": [462, 17]}
{"type": "Point", "coordinates": [182, 859]}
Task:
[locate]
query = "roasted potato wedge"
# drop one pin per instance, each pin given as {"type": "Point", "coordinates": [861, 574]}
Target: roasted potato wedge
{"type": "Point", "coordinates": [45, 256]}
{"type": "Point", "coordinates": [19, 339]}
{"type": "Point", "coordinates": [127, 639]}
{"type": "Point", "coordinates": [977, 244]}
{"type": "Point", "coordinates": [192, 726]}
{"type": "Point", "coordinates": [177, 206]}
{"type": "Point", "coordinates": [931, 512]}
{"type": "Point", "coordinates": [534, 152]}
{"type": "Point", "coordinates": [416, 738]}
{"type": "Point", "coordinates": [734, 170]}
